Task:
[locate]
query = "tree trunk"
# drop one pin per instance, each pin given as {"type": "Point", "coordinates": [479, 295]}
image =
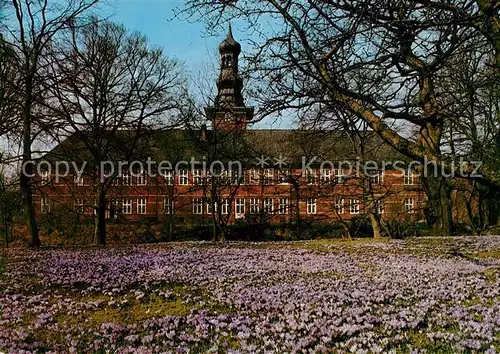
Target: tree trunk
{"type": "Point", "coordinates": [438, 192]}
{"type": "Point", "coordinates": [100, 230]}
{"type": "Point", "coordinates": [25, 180]}
{"type": "Point", "coordinates": [298, 220]}
{"type": "Point", "coordinates": [6, 224]}
{"type": "Point", "coordinates": [375, 221]}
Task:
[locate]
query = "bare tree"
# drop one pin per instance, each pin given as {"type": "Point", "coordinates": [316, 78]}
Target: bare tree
{"type": "Point", "coordinates": [34, 26]}
{"type": "Point", "coordinates": [379, 60]}
{"type": "Point", "coordinates": [111, 90]}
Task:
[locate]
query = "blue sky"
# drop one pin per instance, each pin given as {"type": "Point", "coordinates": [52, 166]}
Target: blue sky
{"type": "Point", "coordinates": [183, 40]}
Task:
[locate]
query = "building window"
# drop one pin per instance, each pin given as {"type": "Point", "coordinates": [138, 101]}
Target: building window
{"type": "Point", "coordinates": [141, 206]}
{"type": "Point", "coordinates": [45, 205]}
{"type": "Point", "coordinates": [237, 178]}
{"type": "Point", "coordinates": [117, 208]}
{"type": "Point", "coordinates": [409, 205]}
{"type": "Point", "coordinates": [339, 205]}
{"type": "Point", "coordinates": [169, 178]}
{"type": "Point", "coordinates": [253, 177]}
{"type": "Point", "coordinates": [197, 177]}
{"type": "Point", "coordinates": [225, 177]}
{"type": "Point", "coordinates": [127, 206]}
{"type": "Point", "coordinates": [254, 206]}
{"type": "Point", "coordinates": [379, 206]}
{"type": "Point", "coordinates": [339, 176]}
{"type": "Point", "coordinates": [310, 176]}
{"type": "Point", "coordinates": [116, 181]}
{"type": "Point", "coordinates": [183, 177]}
{"type": "Point", "coordinates": [107, 213]}
{"type": "Point", "coordinates": [168, 206]}
{"type": "Point", "coordinates": [409, 177]}
{"type": "Point", "coordinates": [353, 206]}
{"type": "Point", "coordinates": [283, 205]}
{"type": "Point", "coordinates": [126, 179]}
{"type": "Point", "coordinates": [284, 176]}
{"type": "Point", "coordinates": [269, 176]}
{"type": "Point", "coordinates": [326, 175]}
{"type": "Point", "coordinates": [197, 206]}
{"type": "Point", "coordinates": [79, 205]}
{"type": "Point", "coordinates": [211, 208]}
{"type": "Point", "coordinates": [311, 205]}
{"type": "Point", "coordinates": [78, 180]}
{"type": "Point", "coordinates": [45, 176]}
{"type": "Point", "coordinates": [239, 208]}
{"type": "Point", "coordinates": [268, 205]}
{"type": "Point", "coordinates": [225, 206]}
{"type": "Point", "coordinates": [376, 177]}
{"type": "Point", "coordinates": [141, 179]}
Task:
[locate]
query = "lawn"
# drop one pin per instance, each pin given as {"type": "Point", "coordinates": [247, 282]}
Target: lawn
{"type": "Point", "coordinates": [418, 295]}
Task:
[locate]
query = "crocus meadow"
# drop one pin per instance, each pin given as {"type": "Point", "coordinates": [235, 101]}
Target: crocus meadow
{"type": "Point", "coordinates": [413, 296]}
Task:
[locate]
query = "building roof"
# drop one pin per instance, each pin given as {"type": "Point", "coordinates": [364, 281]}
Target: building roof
{"type": "Point", "coordinates": [245, 145]}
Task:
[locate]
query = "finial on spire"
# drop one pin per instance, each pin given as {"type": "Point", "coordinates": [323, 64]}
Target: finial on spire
{"type": "Point", "coordinates": [229, 44]}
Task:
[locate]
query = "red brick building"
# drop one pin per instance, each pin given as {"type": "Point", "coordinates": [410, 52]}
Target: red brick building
{"type": "Point", "coordinates": [273, 184]}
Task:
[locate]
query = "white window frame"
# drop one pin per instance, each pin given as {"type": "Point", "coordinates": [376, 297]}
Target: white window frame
{"type": "Point", "coordinates": [254, 206]}
{"type": "Point", "coordinates": [141, 179]}
{"type": "Point", "coordinates": [126, 179]}
{"type": "Point", "coordinates": [311, 176]}
{"type": "Point", "coordinates": [409, 205]}
{"type": "Point", "coordinates": [379, 207]}
{"type": "Point", "coordinates": [197, 177]}
{"type": "Point", "coordinates": [197, 206]}
{"type": "Point", "coordinates": [268, 205]}
{"type": "Point", "coordinates": [253, 177]}
{"type": "Point", "coordinates": [354, 206]}
{"type": "Point", "coordinates": [239, 207]}
{"type": "Point", "coordinates": [209, 208]}
{"type": "Point", "coordinates": [339, 204]}
{"type": "Point", "coordinates": [79, 203]}
{"type": "Point", "coordinates": [45, 205]}
{"type": "Point", "coordinates": [409, 177]}
{"type": "Point", "coordinates": [78, 180]}
{"type": "Point", "coordinates": [283, 206]}
{"type": "Point", "coordinates": [326, 175]}
{"type": "Point", "coordinates": [339, 176]}
{"type": "Point", "coordinates": [284, 176]}
{"type": "Point", "coordinates": [237, 179]}
{"type": "Point", "coordinates": [142, 204]}
{"type": "Point", "coordinates": [168, 206]}
{"type": "Point", "coordinates": [183, 177]}
{"type": "Point", "coordinates": [44, 175]}
{"type": "Point", "coordinates": [118, 209]}
{"type": "Point", "coordinates": [268, 176]}
{"type": "Point", "coordinates": [225, 206]}
{"type": "Point", "coordinates": [377, 177]}
{"type": "Point", "coordinates": [168, 177]}
{"type": "Point", "coordinates": [312, 206]}
{"type": "Point", "coordinates": [127, 206]}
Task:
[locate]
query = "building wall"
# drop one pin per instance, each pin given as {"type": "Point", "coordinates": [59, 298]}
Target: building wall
{"type": "Point", "coordinates": [399, 196]}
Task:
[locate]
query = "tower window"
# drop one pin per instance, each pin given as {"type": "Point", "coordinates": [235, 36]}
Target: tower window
{"type": "Point", "coordinates": [227, 61]}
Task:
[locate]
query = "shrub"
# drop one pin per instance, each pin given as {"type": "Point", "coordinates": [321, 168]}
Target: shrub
{"type": "Point", "coordinates": [406, 228]}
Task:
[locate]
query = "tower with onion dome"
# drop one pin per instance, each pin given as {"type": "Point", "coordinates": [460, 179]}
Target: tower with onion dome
{"type": "Point", "coordinates": [229, 110]}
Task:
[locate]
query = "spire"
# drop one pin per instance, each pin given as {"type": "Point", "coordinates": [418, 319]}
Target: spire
{"type": "Point", "coordinates": [229, 44]}
{"type": "Point", "coordinates": [229, 109]}
{"type": "Point", "coordinates": [229, 82]}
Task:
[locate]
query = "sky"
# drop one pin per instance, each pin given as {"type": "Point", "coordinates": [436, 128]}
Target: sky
{"type": "Point", "coordinates": [180, 39]}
